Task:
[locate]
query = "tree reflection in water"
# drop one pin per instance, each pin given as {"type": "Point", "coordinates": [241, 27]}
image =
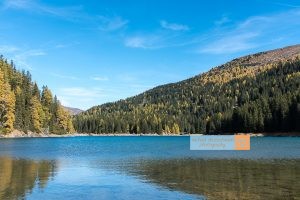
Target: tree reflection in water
{"type": "Point", "coordinates": [226, 179]}
{"type": "Point", "coordinates": [19, 176]}
{"type": "Point", "coordinates": [213, 178]}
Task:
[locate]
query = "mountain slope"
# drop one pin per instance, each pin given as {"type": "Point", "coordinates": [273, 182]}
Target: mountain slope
{"type": "Point", "coordinates": [255, 93]}
{"type": "Point", "coordinates": [73, 111]}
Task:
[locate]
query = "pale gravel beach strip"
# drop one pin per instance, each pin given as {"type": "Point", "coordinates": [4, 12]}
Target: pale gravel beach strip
{"type": "Point", "coordinates": [20, 134]}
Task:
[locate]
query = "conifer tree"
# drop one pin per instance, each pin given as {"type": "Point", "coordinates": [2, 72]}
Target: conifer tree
{"type": "Point", "coordinates": [37, 114]}
{"type": "Point", "coordinates": [7, 106]}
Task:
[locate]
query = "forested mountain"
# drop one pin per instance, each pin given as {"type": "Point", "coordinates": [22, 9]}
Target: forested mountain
{"type": "Point", "coordinates": [24, 107]}
{"type": "Point", "coordinates": [255, 93]}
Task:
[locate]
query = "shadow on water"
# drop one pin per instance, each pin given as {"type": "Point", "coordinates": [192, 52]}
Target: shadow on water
{"type": "Point", "coordinates": [225, 179]}
{"type": "Point", "coordinates": [19, 176]}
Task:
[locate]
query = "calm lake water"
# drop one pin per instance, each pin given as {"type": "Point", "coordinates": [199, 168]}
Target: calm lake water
{"type": "Point", "coordinates": [147, 168]}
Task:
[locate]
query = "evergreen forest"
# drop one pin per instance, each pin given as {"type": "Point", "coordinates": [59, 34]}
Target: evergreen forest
{"type": "Point", "coordinates": [24, 107]}
{"type": "Point", "coordinates": [252, 94]}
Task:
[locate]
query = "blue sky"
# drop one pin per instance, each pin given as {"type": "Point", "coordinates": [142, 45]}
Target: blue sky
{"type": "Point", "coordinates": [92, 52]}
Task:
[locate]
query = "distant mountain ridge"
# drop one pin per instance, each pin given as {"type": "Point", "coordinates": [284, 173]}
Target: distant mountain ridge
{"type": "Point", "coordinates": [258, 61]}
{"type": "Point", "coordinates": [73, 111]}
{"type": "Point", "coordinates": [254, 93]}
{"type": "Point", "coordinates": [267, 57]}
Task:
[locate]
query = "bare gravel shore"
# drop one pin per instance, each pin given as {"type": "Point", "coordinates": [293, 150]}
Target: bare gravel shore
{"type": "Point", "coordinates": [20, 134]}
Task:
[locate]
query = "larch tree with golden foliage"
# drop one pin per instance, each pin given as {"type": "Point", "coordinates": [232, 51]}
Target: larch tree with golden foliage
{"type": "Point", "coordinates": [64, 121]}
{"type": "Point", "coordinates": [37, 114]}
{"type": "Point", "coordinates": [7, 106]}
{"type": "Point", "coordinates": [47, 101]}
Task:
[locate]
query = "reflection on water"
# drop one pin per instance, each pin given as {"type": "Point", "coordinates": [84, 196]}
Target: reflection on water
{"type": "Point", "coordinates": [130, 168]}
{"type": "Point", "coordinates": [19, 177]}
{"type": "Point", "coordinates": [166, 178]}
{"type": "Point", "coordinates": [226, 179]}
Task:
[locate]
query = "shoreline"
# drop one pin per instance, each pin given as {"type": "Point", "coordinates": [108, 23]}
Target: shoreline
{"type": "Point", "coordinates": [41, 135]}
{"type": "Point", "coordinates": [20, 134]}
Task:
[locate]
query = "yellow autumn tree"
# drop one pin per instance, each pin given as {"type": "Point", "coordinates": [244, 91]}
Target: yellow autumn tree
{"type": "Point", "coordinates": [70, 128]}
{"type": "Point", "coordinates": [64, 120]}
{"type": "Point", "coordinates": [7, 106]}
{"type": "Point", "coordinates": [47, 100]}
{"type": "Point", "coordinates": [167, 129]}
{"type": "Point", "coordinates": [37, 114]}
{"type": "Point", "coordinates": [175, 128]}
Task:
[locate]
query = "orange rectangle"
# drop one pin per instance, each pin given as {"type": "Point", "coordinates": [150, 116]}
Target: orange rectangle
{"type": "Point", "coordinates": [242, 142]}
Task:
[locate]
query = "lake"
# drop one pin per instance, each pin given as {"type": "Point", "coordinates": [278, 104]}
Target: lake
{"type": "Point", "coordinates": [147, 168]}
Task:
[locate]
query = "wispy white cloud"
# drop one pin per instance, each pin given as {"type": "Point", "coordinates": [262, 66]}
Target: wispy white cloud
{"type": "Point", "coordinates": [126, 77]}
{"type": "Point", "coordinates": [82, 92]}
{"type": "Point", "coordinates": [23, 4]}
{"type": "Point", "coordinates": [8, 49]}
{"type": "Point", "coordinates": [231, 44]}
{"type": "Point", "coordinates": [123, 85]}
{"type": "Point", "coordinates": [159, 40]}
{"type": "Point", "coordinates": [78, 102]}
{"type": "Point", "coordinates": [70, 12]}
{"type": "Point", "coordinates": [253, 32]}
{"type": "Point", "coordinates": [99, 78]}
{"type": "Point", "coordinates": [111, 23]}
{"type": "Point", "coordinates": [135, 42]}
{"type": "Point", "coordinates": [62, 45]}
{"type": "Point", "coordinates": [82, 97]}
{"type": "Point", "coordinates": [21, 57]}
{"type": "Point", "coordinates": [287, 5]}
{"type": "Point", "coordinates": [226, 37]}
{"type": "Point", "coordinates": [173, 26]}
{"type": "Point", "coordinates": [64, 76]}
{"type": "Point", "coordinates": [144, 41]}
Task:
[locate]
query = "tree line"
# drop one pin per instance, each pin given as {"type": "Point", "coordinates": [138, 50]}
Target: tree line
{"type": "Point", "coordinates": [228, 99]}
{"type": "Point", "coordinates": [24, 107]}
